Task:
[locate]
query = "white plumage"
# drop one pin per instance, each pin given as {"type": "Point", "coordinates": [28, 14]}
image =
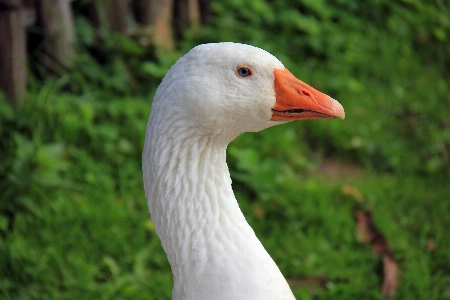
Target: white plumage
{"type": "Point", "coordinates": [202, 104]}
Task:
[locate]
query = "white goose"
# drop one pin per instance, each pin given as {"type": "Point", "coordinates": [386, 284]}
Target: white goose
{"type": "Point", "coordinates": [210, 96]}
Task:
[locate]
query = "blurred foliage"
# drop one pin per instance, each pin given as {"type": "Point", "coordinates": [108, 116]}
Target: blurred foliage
{"type": "Point", "coordinates": [387, 62]}
{"type": "Point", "coordinates": [73, 219]}
{"type": "Point", "coordinates": [71, 177]}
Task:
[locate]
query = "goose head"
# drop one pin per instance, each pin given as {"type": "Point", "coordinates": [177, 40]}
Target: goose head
{"type": "Point", "coordinates": [228, 88]}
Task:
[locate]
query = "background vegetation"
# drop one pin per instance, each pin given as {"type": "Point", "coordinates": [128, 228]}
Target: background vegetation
{"type": "Point", "coordinates": [73, 218]}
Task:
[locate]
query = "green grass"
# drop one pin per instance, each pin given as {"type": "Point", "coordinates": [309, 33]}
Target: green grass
{"type": "Point", "coordinates": [306, 222]}
{"type": "Point", "coordinates": [83, 230]}
{"type": "Point", "coordinates": [73, 217]}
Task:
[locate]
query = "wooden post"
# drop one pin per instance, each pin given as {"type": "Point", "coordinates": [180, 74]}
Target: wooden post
{"type": "Point", "coordinates": [58, 27]}
{"type": "Point", "coordinates": [13, 59]}
{"type": "Point", "coordinates": [108, 15]}
{"type": "Point", "coordinates": [158, 14]}
{"type": "Point", "coordinates": [118, 16]}
{"type": "Point", "coordinates": [205, 11]}
{"type": "Point", "coordinates": [188, 14]}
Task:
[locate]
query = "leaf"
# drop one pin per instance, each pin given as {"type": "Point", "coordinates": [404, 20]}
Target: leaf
{"type": "Point", "coordinates": [353, 192]}
{"type": "Point", "coordinates": [369, 234]}
{"type": "Point", "coordinates": [390, 281]}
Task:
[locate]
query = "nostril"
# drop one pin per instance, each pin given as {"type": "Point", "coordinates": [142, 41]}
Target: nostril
{"type": "Point", "coordinates": [306, 93]}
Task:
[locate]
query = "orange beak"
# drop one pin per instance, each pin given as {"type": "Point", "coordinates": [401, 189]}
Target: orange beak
{"type": "Point", "coordinates": [295, 100]}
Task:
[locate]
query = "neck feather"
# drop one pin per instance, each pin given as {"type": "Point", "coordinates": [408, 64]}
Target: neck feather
{"type": "Point", "coordinates": [204, 233]}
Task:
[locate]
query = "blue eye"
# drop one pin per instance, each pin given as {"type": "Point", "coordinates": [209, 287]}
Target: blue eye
{"type": "Point", "coordinates": [244, 71]}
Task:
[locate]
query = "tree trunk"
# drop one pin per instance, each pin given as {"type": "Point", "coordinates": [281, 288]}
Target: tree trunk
{"type": "Point", "coordinates": [158, 14]}
{"type": "Point", "coordinates": [58, 27]}
{"type": "Point", "coordinates": [108, 15]}
{"type": "Point", "coordinates": [13, 59]}
{"type": "Point", "coordinates": [188, 13]}
{"type": "Point", "coordinates": [205, 11]}
{"type": "Point", "coordinates": [118, 16]}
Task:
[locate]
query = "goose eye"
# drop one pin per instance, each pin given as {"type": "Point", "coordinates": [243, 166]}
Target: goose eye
{"type": "Point", "coordinates": [244, 71]}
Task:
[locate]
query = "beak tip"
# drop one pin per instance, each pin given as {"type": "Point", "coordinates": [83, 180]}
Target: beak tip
{"type": "Point", "coordinates": [338, 109]}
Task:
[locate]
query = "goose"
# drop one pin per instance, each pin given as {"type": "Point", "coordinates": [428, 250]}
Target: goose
{"type": "Point", "coordinates": [208, 97]}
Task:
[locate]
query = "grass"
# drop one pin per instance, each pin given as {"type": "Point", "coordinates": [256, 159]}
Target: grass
{"type": "Point", "coordinates": [73, 218]}
{"type": "Point", "coordinates": [306, 222]}
{"type": "Point", "coordinates": [83, 229]}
